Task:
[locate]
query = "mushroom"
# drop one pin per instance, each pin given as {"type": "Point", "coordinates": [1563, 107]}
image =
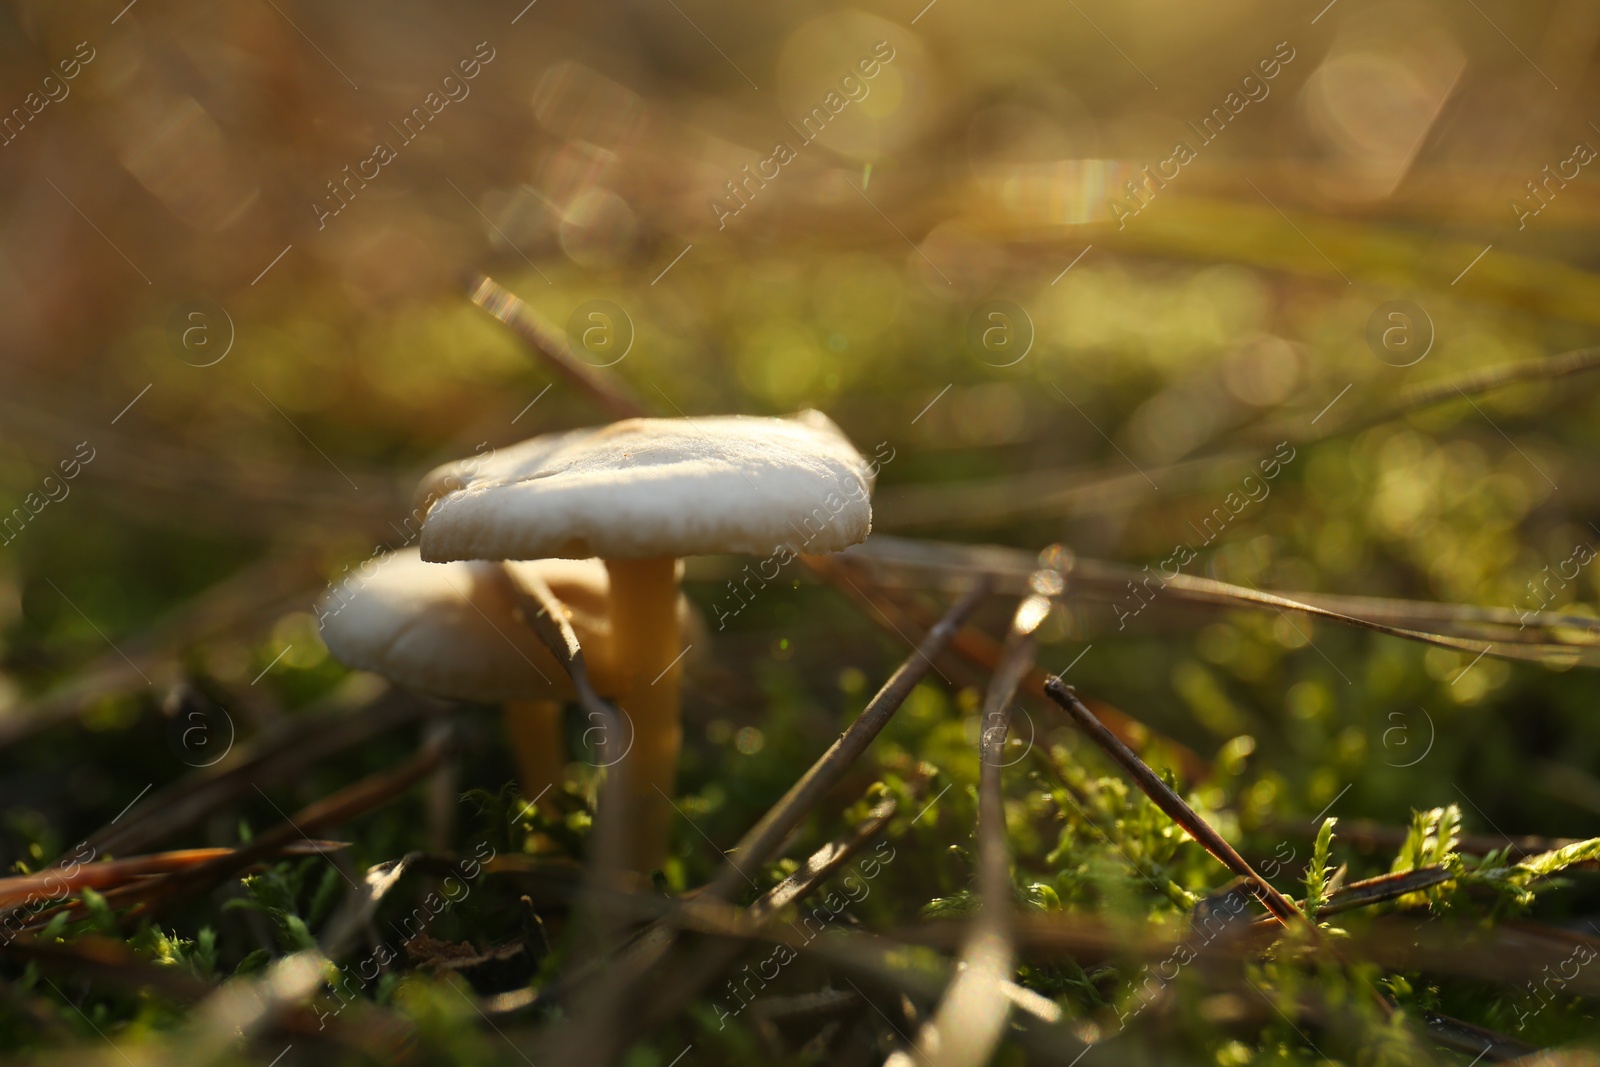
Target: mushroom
{"type": "Point", "coordinates": [453, 630]}
{"type": "Point", "coordinates": [641, 494]}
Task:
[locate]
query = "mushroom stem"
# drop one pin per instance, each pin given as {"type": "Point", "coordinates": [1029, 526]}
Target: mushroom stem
{"type": "Point", "coordinates": [538, 745]}
{"type": "Point", "coordinates": [647, 646]}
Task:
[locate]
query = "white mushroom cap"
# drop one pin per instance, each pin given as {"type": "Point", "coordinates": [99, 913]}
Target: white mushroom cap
{"type": "Point", "coordinates": [452, 629]}
{"type": "Point", "coordinates": [642, 488]}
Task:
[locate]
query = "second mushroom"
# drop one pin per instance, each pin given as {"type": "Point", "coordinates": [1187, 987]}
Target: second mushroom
{"type": "Point", "coordinates": [641, 494]}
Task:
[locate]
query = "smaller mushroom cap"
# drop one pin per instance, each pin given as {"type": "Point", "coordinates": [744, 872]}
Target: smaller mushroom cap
{"type": "Point", "coordinates": [641, 488]}
{"type": "Point", "coordinates": [453, 630]}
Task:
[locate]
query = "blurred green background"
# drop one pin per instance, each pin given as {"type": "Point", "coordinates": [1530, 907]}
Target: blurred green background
{"type": "Point", "coordinates": [1170, 333]}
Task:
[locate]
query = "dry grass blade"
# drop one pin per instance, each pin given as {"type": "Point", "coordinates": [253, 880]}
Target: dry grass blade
{"type": "Point", "coordinates": [934, 563]}
{"type": "Point", "coordinates": [892, 964]}
{"type": "Point", "coordinates": [1510, 954]}
{"type": "Point", "coordinates": [229, 607]}
{"type": "Point", "coordinates": [981, 650]}
{"type": "Point", "coordinates": [1170, 802]}
{"type": "Point", "coordinates": [262, 762]}
{"type": "Point", "coordinates": [338, 807]}
{"type": "Point", "coordinates": [133, 891]}
{"type": "Point", "coordinates": [552, 344]}
{"type": "Point", "coordinates": [967, 1026]}
{"type": "Point", "coordinates": [544, 613]}
{"type": "Point", "coordinates": [1208, 590]}
{"type": "Point", "coordinates": [595, 1023]}
{"type": "Point", "coordinates": [1399, 945]}
{"type": "Point", "coordinates": [1463, 620]}
{"type": "Point", "coordinates": [994, 875]}
{"type": "Point", "coordinates": [229, 1016]}
{"type": "Point", "coordinates": [239, 1010]}
{"type": "Point", "coordinates": [1076, 491]}
{"type": "Point", "coordinates": [1084, 491]}
{"type": "Point", "coordinates": [597, 1013]}
{"type": "Point", "coordinates": [1383, 888]}
{"type": "Point", "coordinates": [1474, 1040]}
{"type": "Point", "coordinates": [821, 864]}
{"type": "Point", "coordinates": [761, 843]}
{"type": "Point", "coordinates": [1428, 394]}
{"type": "Point", "coordinates": [1231, 227]}
{"type": "Point", "coordinates": [363, 903]}
{"type": "Point", "coordinates": [98, 959]}
{"type": "Point", "coordinates": [1515, 953]}
{"type": "Point", "coordinates": [601, 1029]}
{"type": "Point", "coordinates": [547, 617]}
{"type": "Point", "coordinates": [668, 997]}
{"type": "Point", "coordinates": [57, 884]}
{"type": "Point", "coordinates": [1371, 891]}
{"type": "Point", "coordinates": [878, 958]}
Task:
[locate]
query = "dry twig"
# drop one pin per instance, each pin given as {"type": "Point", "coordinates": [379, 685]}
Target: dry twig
{"type": "Point", "coordinates": [1170, 802]}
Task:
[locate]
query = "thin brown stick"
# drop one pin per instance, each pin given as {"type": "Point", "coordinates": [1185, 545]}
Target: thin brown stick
{"type": "Point", "coordinates": [331, 810]}
{"type": "Point", "coordinates": [1378, 890]}
{"type": "Point", "coordinates": [1078, 491]}
{"type": "Point", "coordinates": [1101, 580]}
{"type": "Point", "coordinates": [260, 762]}
{"type": "Point", "coordinates": [51, 884]}
{"type": "Point", "coordinates": [703, 915]}
{"type": "Point", "coordinates": [981, 650]}
{"type": "Point", "coordinates": [546, 616]}
{"type": "Point", "coordinates": [599, 1021]}
{"type": "Point", "coordinates": [868, 956]}
{"type": "Point", "coordinates": [1170, 802]}
{"type": "Point", "coordinates": [255, 593]}
{"type": "Point", "coordinates": [1506, 955]}
{"type": "Point", "coordinates": [994, 876]}
{"type": "Point", "coordinates": [701, 969]}
{"type": "Point", "coordinates": [602, 1026]}
{"type": "Point", "coordinates": [553, 345]}
{"type": "Point", "coordinates": [761, 843]}
{"type": "Point", "coordinates": [822, 864]}
{"type": "Point", "coordinates": [1428, 394]}
{"type": "Point", "coordinates": [1383, 888]}
{"type": "Point", "coordinates": [596, 1019]}
{"type": "Point", "coordinates": [99, 959]}
{"type": "Point", "coordinates": [1474, 1040]}
{"type": "Point", "coordinates": [970, 1020]}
